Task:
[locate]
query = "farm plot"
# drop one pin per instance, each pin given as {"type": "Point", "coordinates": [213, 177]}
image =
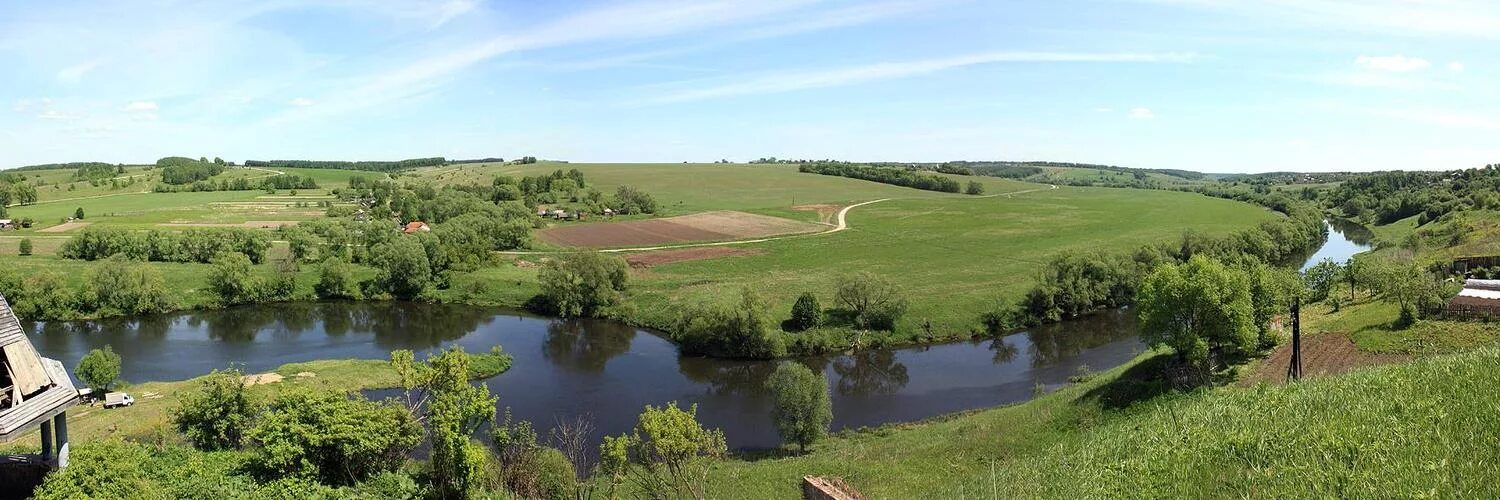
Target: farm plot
{"type": "Point", "coordinates": [708, 226]}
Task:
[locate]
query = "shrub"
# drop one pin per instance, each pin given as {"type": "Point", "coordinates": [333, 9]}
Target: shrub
{"type": "Point", "coordinates": [801, 408]}
{"type": "Point", "coordinates": [1198, 308]}
{"type": "Point", "coordinates": [337, 439]}
{"type": "Point", "coordinates": [581, 284]}
{"type": "Point", "coordinates": [629, 200]}
{"type": "Point", "coordinates": [874, 301]}
{"type": "Point", "coordinates": [231, 282]}
{"type": "Point", "coordinates": [735, 332]}
{"type": "Point", "coordinates": [806, 313]}
{"type": "Point", "coordinates": [336, 281]}
{"type": "Point", "coordinates": [25, 248]}
{"type": "Point", "coordinates": [99, 369]}
{"type": "Point", "coordinates": [555, 477]}
{"type": "Point", "coordinates": [217, 415]}
{"type": "Point", "coordinates": [119, 286]}
{"type": "Point", "coordinates": [975, 188]}
{"type": "Point", "coordinates": [668, 454]}
{"type": "Point", "coordinates": [404, 269]}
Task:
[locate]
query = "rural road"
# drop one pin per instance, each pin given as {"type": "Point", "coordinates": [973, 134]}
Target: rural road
{"type": "Point", "coordinates": [841, 225]}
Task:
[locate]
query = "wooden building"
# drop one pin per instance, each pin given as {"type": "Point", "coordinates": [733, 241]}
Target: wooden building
{"type": "Point", "coordinates": [1480, 299]}
{"type": "Point", "coordinates": [35, 392]}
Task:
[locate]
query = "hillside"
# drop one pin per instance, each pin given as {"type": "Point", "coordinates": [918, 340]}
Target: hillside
{"type": "Point", "coordinates": [1402, 430]}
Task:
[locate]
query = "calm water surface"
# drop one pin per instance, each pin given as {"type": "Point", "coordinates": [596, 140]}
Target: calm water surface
{"type": "Point", "coordinates": [565, 368]}
{"type": "Point", "coordinates": [1344, 240]}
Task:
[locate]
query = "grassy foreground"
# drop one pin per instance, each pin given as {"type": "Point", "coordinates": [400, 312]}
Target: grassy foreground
{"type": "Point", "coordinates": [1419, 429]}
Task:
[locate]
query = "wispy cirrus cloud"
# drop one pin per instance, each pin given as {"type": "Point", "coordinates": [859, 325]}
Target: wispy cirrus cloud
{"type": "Point", "coordinates": [1441, 18]}
{"type": "Point", "coordinates": [813, 79]}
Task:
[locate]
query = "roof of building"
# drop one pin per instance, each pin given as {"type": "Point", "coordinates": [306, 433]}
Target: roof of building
{"type": "Point", "coordinates": [1474, 284]}
{"type": "Point", "coordinates": [34, 388]}
{"type": "Point", "coordinates": [416, 225]}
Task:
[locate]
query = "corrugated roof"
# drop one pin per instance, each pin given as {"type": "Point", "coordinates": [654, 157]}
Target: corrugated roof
{"type": "Point", "coordinates": [42, 384]}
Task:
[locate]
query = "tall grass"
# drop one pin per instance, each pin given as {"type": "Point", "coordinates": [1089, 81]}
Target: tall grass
{"type": "Point", "coordinates": [1428, 428]}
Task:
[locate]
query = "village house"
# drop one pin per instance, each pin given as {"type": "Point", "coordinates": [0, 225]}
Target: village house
{"type": "Point", "coordinates": [35, 392]}
{"type": "Point", "coordinates": [415, 227]}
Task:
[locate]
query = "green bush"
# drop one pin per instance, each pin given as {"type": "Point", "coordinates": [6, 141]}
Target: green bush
{"type": "Point", "coordinates": [404, 269]}
{"type": "Point", "coordinates": [801, 408]}
{"type": "Point", "coordinates": [334, 438]}
{"type": "Point", "coordinates": [806, 313]}
{"type": "Point", "coordinates": [25, 246]}
{"type": "Point", "coordinates": [743, 331]}
{"type": "Point", "coordinates": [231, 281]}
{"type": "Point", "coordinates": [336, 281]}
{"type": "Point", "coordinates": [218, 414]}
{"type": "Point", "coordinates": [118, 286]}
{"type": "Point", "coordinates": [581, 284]}
{"type": "Point", "coordinates": [874, 301]}
{"type": "Point", "coordinates": [99, 369]}
{"type": "Point", "coordinates": [555, 477]}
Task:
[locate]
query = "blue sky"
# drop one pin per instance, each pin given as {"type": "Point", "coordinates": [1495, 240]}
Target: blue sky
{"type": "Point", "coordinates": [1209, 85]}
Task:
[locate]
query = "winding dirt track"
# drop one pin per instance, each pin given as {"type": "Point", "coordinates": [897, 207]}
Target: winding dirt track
{"type": "Point", "coordinates": [841, 224]}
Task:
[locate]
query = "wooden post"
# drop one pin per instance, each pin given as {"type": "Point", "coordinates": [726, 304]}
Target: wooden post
{"type": "Point", "coordinates": [1294, 371]}
{"type": "Point", "coordinates": [61, 423]}
{"type": "Point", "coordinates": [47, 440]}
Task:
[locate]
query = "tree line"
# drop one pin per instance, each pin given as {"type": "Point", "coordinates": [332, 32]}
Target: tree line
{"type": "Point", "coordinates": [1072, 284]}
{"type": "Point", "coordinates": [885, 175]}
{"type": "Point", "coordinates": [199, 245]}
{"type": "Point", "coordinates": [375, 166]}
{"type": "Point", "coordinates": [180, 170]}
{"type": "Point", "coordinates": [269, 183]}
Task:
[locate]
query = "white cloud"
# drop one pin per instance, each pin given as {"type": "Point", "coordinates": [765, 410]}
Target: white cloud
{"type": "Point", "coordinates": [141, 107]}
{"type": "Point", "coordinates": [302, 102]}
{"type": "Point", "coordinates": [791, 81]}
{"type": "Point", "coordinates": [1456, 67]}
{"type": "Point", "coordinates": [1142, 114]}
{"type": "Point", "coordinates": [1397, 63]}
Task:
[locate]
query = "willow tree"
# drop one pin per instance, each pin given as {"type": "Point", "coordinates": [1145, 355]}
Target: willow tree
{"type": "Point", "coordinates": [1200, 309]}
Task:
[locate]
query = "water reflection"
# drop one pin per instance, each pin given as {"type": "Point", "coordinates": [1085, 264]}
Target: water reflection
{"type": "Point", "coordinates": [568, 345]}
{"type": "Point", "coordinates": [565, 368]}
{"type": "Point", "coordinates": [868, 373]}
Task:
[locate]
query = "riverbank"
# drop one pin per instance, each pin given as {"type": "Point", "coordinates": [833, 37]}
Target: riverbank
{"type": "Point", "coordinates": [149, 419]}
{"type": "Point", "coordinates": [1121, 434]}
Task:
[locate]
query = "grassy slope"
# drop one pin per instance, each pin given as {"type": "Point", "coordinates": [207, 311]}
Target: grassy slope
{"type": "Point", "coordinates": [953, 258]}
{"type": "Point", "coordinates": [1397, 430]}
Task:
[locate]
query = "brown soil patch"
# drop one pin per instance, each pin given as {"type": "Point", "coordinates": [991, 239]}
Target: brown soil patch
{"type": "Point", "coordinates": [64, 227]}
{"type": "Point", "coordinates": [707, 226]}
{"type": "Point", "coordinates": [261, 378]}
{"type": "Point", "coordinates": [825, 211]}
{"type": "Point", "coordinates": [652, 259]}
{"type": "Point", "coordinates": [1324, 354]}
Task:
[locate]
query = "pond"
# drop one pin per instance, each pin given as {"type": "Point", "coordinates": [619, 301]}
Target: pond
{"type": "Point", "coordinates": [603, 370]}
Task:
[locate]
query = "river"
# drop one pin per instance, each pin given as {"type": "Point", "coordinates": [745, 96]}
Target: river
{"type": "Point", "coordinates": [607, 371]}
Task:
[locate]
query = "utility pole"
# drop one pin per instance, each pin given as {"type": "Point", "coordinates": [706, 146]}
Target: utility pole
{"type": "Point", "coordinates": [1294, 371]}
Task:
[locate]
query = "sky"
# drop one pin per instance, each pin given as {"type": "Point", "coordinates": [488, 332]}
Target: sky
{"type": "Point", "coordinates": [1206, 85]}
